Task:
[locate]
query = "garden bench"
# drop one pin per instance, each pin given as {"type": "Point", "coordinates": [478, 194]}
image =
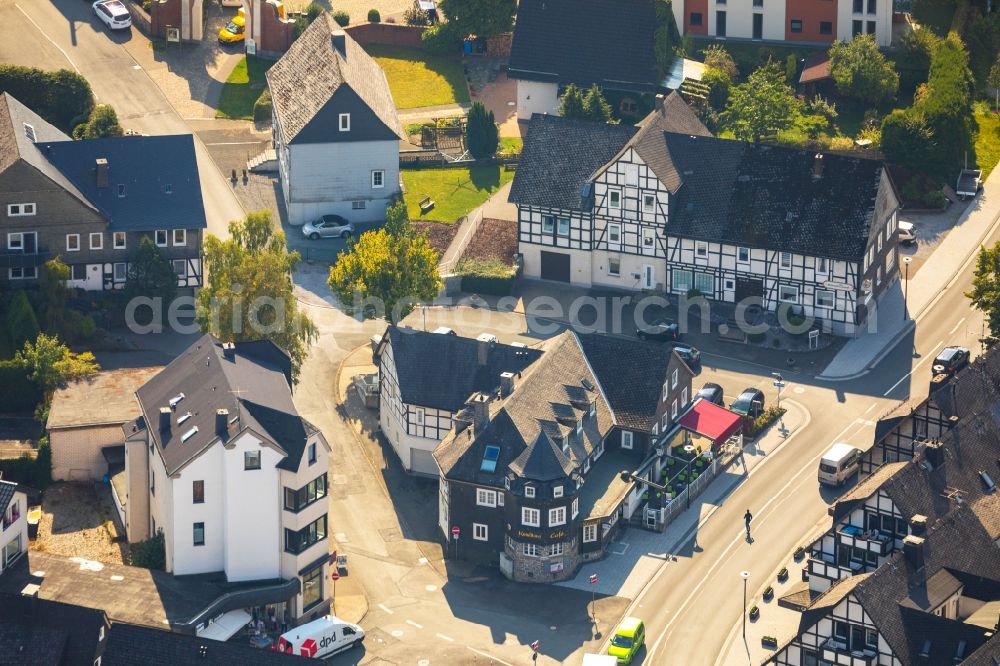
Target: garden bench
{"type": "Point", "coordinates": [426, 205]}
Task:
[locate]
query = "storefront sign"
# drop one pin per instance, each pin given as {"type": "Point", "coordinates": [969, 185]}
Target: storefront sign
{"type": "Point", "coordinates": [528, 535]}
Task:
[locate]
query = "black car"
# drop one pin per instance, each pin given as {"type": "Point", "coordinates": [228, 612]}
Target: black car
{"type": "Point", "coordinates": [712, 393]}
{"type": "Point", "coordinates": [950, 361]}
{"type": "Point", "coordinates": [749, 403]}
{"type": "Point", "coordinates": [661, 329]}
{"type": "Point", "coordinates": [690, 355]}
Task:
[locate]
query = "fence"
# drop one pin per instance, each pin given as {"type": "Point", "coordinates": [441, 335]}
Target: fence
{"type": "Point", "coordinates": [466, 230]}
{"type": "Point", "coordinates": [420, 159]}
{"type": "Point", "coordinates": [679, 504]}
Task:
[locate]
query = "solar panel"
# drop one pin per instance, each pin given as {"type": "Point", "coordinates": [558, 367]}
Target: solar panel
{"type": "Point", "coordinates": [490, 458]}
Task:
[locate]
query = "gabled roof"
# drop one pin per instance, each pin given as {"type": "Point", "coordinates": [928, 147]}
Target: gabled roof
{"type": "Point", "coordinates": [159, 174]}
{"type": "Point", "coordinates": [7, 490]}
{"type": "Point", "coordinates": [254, 385]}
{"type": "Point", "coordinates": [861, 492]}
{"type": "Point", "coordinates": [673, 115]}
{"type": "Point", "coordinates": [632, 373]}
{"type": "Point", "coordinates": [608, 42]}
{"type": "Point", "coordinates": [130, 645]}
{"type": "Point", "coordinates": [48, 633]}
{"type": "Point", "coordinates": [559, 156]}
{"type": "Point", "coordinates": [442, 371]}
{"type": "Point", "coordinates": [313, 82]}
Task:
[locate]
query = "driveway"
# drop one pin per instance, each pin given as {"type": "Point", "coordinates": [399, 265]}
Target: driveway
{"type": "Point", "coordinates": [930, 229]}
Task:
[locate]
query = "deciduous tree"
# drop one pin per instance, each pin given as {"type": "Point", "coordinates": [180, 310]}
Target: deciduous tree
{"type": "Point", "coordinates": [861, 71]}
{"type": "Point", "coordinates": [761, 106]}
{"type": "Point", "coordinates": [51, 364]}
{"type": "Point", "coordinates": [249, 291]}
{"type": "Point", "coordinates": [482, 18]}
{"type": "Point", "coordinates": [151, 274]}
{"type": "Point", "coordinates": [985, 293]}
{"type": "Point", "coordinates": [103, 122]}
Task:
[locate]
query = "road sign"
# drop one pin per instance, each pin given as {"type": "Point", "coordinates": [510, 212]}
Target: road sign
{"type": "Point", "coordinates": [593, 579]}
{"type": "Point", "coordinates": [455, 531]}
{"type": "Point", "coordinates": [536, 645]}
{"type": "Point", "coordinates": [335, 575]}
{"type": "Point", "coordinates": [778, 384]}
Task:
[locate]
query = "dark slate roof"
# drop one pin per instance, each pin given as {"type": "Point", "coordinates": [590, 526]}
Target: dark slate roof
{"type": "Point", "coordinates": [48, 633]}
{"type": "Point", "coordinates": [608, 42]}
{"type": "Point", "coordinates": [145, 165]}
{"type": "Point", "coordinates": [766, 197]}
{"type": "Point", "coordinates": [254, 386]}
{"type": "Point", "coordinates": [632, 373]}
{"type": "Point", "coordinates": [442, 371]}
{"type": "Point", "coordinates": [673, 115]}
{"type": "Point", "coordinates": [551, 394]}
{"type": "Point", "coordinates": [7, 490]}
{"type": "Point", "coordinates": [313, 82]}
{"type": "Point", "coordinates": [15, 144]}
{"type": "Point", "coordinates": [559, 156]}
{"type": "Point", "coordinates": [861, 492]}
{"type": "Point", "coordinates": [129, 645]}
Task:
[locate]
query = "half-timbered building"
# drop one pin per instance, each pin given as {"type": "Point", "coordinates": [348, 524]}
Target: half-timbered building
{"type": "Point", "coordinates": [425, 378]}
{"type": "Point", "coordinates": [665, 207]}
{"type": "Point", "coordinates": [530, 477]}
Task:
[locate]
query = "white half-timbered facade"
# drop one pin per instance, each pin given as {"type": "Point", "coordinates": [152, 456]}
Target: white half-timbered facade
{"type": "Point", "coordinates": [677, 211]}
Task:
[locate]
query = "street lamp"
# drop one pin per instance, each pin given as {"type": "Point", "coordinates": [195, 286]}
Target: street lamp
{"type": "Point", "coordinates": [906, 284]}
{"type": "Point", "coordinates": [688, 449]}
{"type": "Point", "coordinates": [745, 575]}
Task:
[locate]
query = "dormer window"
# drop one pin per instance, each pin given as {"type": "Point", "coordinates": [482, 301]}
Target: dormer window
{"type": "Point", "coordinates": [579, 427]}
{"type": "Point", "coordinates": [557, 492]}
{"type": "Point", "coordinates": [593, 408]}
{"type": "Point", "coordinates": [529, 492]}
{"type": "Point", "coordinates": [121, 190]}
{"type": "Point", "coordinates": [29, 131]}
{"type": "Point", "coordinates": [344, 120]}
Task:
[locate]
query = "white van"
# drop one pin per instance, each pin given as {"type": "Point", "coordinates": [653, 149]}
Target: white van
{"type": "Point", "coordinates": [838, 464]}
{"type": "Point", "coordinates": [321, 638]}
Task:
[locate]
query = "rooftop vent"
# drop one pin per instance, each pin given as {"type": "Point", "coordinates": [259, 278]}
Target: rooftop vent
{"type": "Point", "coordinates": [587, 384]}
{"type": "Point", "coordinates": [987, 481]}
{"type": "Point", "coordinates": [817, 172]}
{"type": "Point", "coordinates": [506, 383]}
{"type": "Point", "coordinates": [101, 166]}
{"type": "Point", "coordinates": [189, 434]}
{"type": "Point", "coordinates": [918, 524]}
{"type": "Point", "coordinates": [175, 400]}
{"type": "Point", "coordinates": [229, 350]}
{"type": "Point", "coordinates": [913, 549]}
{"type": "Point", "coordinates": [221, 422]}
{"type": "Point", "coordinates": [183, 417]}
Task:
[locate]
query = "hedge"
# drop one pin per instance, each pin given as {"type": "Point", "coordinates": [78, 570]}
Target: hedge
{"type": "Point", "coordinates": [35, 472]}
{"type": "Point", "coordinates": [487, 277]}
{"type": "Point", "coordinates": [262, 107]}
{"type": "Point", "coordinates": [18, 394]}
{"type": "Point", "coordinates": [61, 97]}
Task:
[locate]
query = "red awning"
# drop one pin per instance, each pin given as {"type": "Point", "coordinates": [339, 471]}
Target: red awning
{"type": "Point", "coordinates": [710, 420]}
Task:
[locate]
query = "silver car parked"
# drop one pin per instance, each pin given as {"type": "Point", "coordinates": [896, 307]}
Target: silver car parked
{"type": "Point", "coordinates": [328, 226]}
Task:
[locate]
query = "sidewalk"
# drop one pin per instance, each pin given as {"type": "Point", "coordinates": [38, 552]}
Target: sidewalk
{"type": "Point", "coordinates": [861, 354]}
{"type": "Point", "coordinates": [635, 558]}
{"type": "Point", "coordinates": [432, 112]}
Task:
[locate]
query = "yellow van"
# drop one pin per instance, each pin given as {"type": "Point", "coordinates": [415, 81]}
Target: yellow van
{"type": "Point", "coordinates": [628, 639]}
{"type": "Point", "coordinates": [235, 30]}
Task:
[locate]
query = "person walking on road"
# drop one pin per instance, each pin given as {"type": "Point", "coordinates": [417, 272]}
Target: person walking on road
{"type": "Point", "coordinates": [747, 517]}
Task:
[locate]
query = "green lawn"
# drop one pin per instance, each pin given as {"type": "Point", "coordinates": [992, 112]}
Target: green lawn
{"type": "Point", "coordinates": [242, 89]}
{"type": "Point", "coordinates": [988, 139]}
{"type": "Point", "coordinates": [455, 192]}
{"type": "Point", "coordinates": [511, 144]}
{"type": "Point", "coordinates": [421, 79]}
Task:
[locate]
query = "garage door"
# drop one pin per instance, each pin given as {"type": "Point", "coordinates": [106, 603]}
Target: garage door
{"type": "Point", "coordinates": [555, 266]}
{"type": "Point", "coordinates": [746, 288]}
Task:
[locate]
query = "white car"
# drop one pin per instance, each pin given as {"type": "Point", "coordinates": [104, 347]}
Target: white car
{"type": "Point", "coordinates": [907, 234]}
{"type": "Point", "coordinates": [113, 13]}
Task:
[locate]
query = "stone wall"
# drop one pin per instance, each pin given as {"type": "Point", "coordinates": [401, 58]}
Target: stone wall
{"type": "Point", "coordinates": [530, 569]}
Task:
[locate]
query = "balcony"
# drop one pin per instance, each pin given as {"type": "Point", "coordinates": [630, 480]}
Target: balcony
{"type": "Point", "coordinates": [836, 652]}
{"type": "Point", "coordinates": [872, 541]}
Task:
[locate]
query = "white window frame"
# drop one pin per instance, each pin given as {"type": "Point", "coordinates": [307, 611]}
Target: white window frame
{"type": "Point", "coordinates": [182, 234]}
{"type": "Point", "coordinates": [557, 492]}
{"type": "Point", "coordinates": [15, 240]}
{"type": "Point", "coordinates": [359, 205]}
{"type": "Point", "coordinates": [557, 516]}
{"type": "Point", "coordinates": [701, 249]}
{"type": "Point", "coordinates": [702, 278]}
{"type": "Point", "coordinates": [674, 376]}
{"type": "Point", "coordinates": [648, 237]}
{"type": "Point", "coordinates": [22, 273]}
{"type": "Point", "coordinates": [833, 299]}
{"type": "Point", "coordinates": [344, 122]}
{"type": "Point", "coordinates": [486, 497]}
{"type": "Point", "coordinates": [100, 241]}
{"type": "Point", "coordinates": [684, 396]}
{"type": "Point", "coordinates": [480, 532]}
{"type": "Point", "coordinates": [124, 275]}
{"type": "Point", "coordinates": [785, 259]}
{"type": "Point", "coordinates": [617, 270]}
{"type": "Point", "coordinates": [20, 209]}
{"type": "Point", "coordinates": [529, 549]}
{"type": "Point", "coordinates": [562, 226]}
{"type": "Point", "coordinates": [499, 498]}
{"type": "Point", "coordinates": [615, 234]}
{"type": "Point", "coordinates": [665, 392]}
{"type": "Point", "coordinates": [782, 297]}
{"type": "Point", "coordinates": [418, 415]}
{"type": "Point", "coordinates": [628, 440]}
{"type": "Point", "coordinates": [114, 240]}
{"type": "Point", "coordinates": [673, 409]}
{"type": "Point", "coordinates": [529, 492]}
{"type": "Point", "coordinates": [741, 250]}
{"type": "Point", "coordinates": [649, 203]}
{"type": "Point", "coordinates": [378, 179]}
{"type": "Point", "coordinates": [557, 549]}
{"type": "Point", "coordinates": [890, 261]}
{"type": "Point", "coordinates": [681, 288]}
{"type": "Point", "coordinates": [165, 236]}
{"type": "Point", "coordinates": [180, 267]}
{"type": "Point", "coordinates": [664, 422]}
{"type": "Point", "coordinates": [590, 533]}
{"type": "Point", "coordinates": [548, 224]}
{"type": "Point", "coordinates": [576, 507]}
{"type": "Point", "coordinates": [613, 197]}
{"type": "Point", "coordinates": [822, 266]}
{"type": "Point", "coordinates": [531, 517]}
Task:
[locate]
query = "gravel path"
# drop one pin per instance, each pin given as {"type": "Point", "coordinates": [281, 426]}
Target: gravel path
{"type": "Point", "coordinates": [77, 523]}
{"type": "Point", "coordinates": [358, 9]}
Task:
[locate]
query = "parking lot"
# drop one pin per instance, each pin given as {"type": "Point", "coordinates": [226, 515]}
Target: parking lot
{"type": "Point", "coordinates": [930, 229]}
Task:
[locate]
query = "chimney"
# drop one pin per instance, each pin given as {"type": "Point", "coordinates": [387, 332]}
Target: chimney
{"type": "Point", "coordinates": [934, 454]}
{"type": "Point", "coordinates": [506, 384]}
{"type": "Point", "coordinates": [480, 411]}
{"type": "Point", "coordinates": [165, 414]}
{"type": "Point", "coordinates": [229, 350]}
{"type": "Point", "coordinates": [484, 351]}
{"type": "Point", "coordinates": [818, 166]}
{"type": "Point", "coordinates": [221, 422]}
{"type": "Point", "coordinates": [918, 524]}
{"type": "Point", "coordinates": [462, 420]}
{"type": "Point", "coordinates": [339, 40]}
{"type": "Point", "coordinates": [102, 171]}
{"type": "Point", "coordinates": [913, 549]}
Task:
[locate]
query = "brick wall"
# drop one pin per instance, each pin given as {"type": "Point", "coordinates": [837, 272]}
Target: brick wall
{"type": "Point", "coordinates": [386, 33]}
{"type": "Point", "coordinates": [276, 33]}
{"type": "Point", "coordinates": [76, 452]}
{"type": "Point", "coordinates": [163, 13]}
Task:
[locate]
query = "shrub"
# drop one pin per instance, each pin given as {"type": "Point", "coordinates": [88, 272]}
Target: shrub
{"type": "Point", "coordinates": [18, 394]}
{"type": "Point", "coordinates": [719, 83]}
{"type": "Point", "coordinates": [486, 276]}
{"type": "Point", "coordinates": [768, 593]}
{"type": "Point", "coordinates": [791, 69]}
{"type": "Point", "coordinates": [262, 107]}
{"type": "Point", "coordinates": [374, 16]}
{"type": "Point", "coordinates": [717, 57]}
{"type": "Point", "coordinates": [756, 338]}
{"type": "Point", "coordinates": [770, 415]}
{"type": "Point", "coordinates": [783, 574]}
{"type": "Point", "coordinates": [819, 105]}
{"type": "Point", "coordinates": [342, 18]}
{"type": "Point", "coordinates": [102, 122]}
{"type": "Point", "coordinates": [935, 199]}
{"type": "Point", "coordinates": [147, 5]}
{"type": "Point", "coordinates": [149, 554]}
{"type": "Point", "coordinates": [441, 39]}
{"type": "Point", "coordinates": [415, 15]}
{"type": "Point", "coordinates": [754, 612]}
{"type": "Point", "coordinates": [61, 97]}
{"type": "Point", "coordinates": [313, 11]}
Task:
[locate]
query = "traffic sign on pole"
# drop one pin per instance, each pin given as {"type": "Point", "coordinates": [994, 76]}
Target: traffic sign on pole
{"type": "Point", "coordinates": [593, 579]}
{"type": "Point", "coordinates": [335, 576]}
{"type": "Point", "coordinates": [536, 645]}
{"type": "Point", "coordinates": [455, 531]}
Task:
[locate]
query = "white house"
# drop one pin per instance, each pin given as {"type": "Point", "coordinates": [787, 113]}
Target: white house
{"type": "Point", "coordinates": [14, 532]}
{"type": "Point", "coordinates": [335, 129]}
{"type": "Point", "coordinates": [664, 206]}
{"type": "Point", "coordinates": [232, 476]}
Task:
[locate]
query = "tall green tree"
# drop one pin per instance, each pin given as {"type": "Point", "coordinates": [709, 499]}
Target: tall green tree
{"type": "Point", "coordinates": [947, 106]}
{"type": "Point", "coordinates": [51, 364]}
{"type": "Point", "coordinates": [62, 97]}
{"type": "Point", "coordinates": [762, 106]}
{"type": "Point", "coordinates": [482, 18]}
{"type": "Point", "coordinates": [907, 140]}
{"type": "Point", "coordinates": [595, 107]}
{"type": "Point", "coordinates": [994, 82]}
{"type": "Point", "coordinates": [151, 274]}
{"type": "Point", "coordinates": [385, 273]}
{"type": "Point", "coordinates": [22, 324]}
{"type": "Point", "coordinates": [249, 292]}
{"type": "Point", "coordinates": [717, 57]}
{"type": "Point", "coordinates": [861, 71]}
{"type": "Point", "coordinates": [985, 292]}
{"type": "Point", "coordinates": [482, 132]}
{"type": "Point", "coordinates": [665, 37]}
{"type": "Point", "coordinates": [53, 295]}
{"type": "Point", "coordinates": [103, 122]}
{"type": "Point", "coordinates": [571, 102]}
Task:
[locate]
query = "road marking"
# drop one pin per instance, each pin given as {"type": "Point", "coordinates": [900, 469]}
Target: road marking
{"type": "Point", "coordinates": [871, 407]}
{"type": "Point", "coordinates": [445, 638]}
{"type": "Point", "coordinates": [66, 55]}
{"type": "Point", "coordinates": [960, 322]}
{"type": "Point", "coordinates": [489, 656]}
{"type": "Point", "coordinates": [414, 624]}
{"type": "Point", "coordinates": [903, 378]}
{"type": "Point", "coordinates": [741, 536]}
{"type": "Point", "coordinates": [386, 609]}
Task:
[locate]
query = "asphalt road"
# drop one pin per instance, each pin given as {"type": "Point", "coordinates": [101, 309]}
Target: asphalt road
{"type": "Point", "coordinates": [66, 34]}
